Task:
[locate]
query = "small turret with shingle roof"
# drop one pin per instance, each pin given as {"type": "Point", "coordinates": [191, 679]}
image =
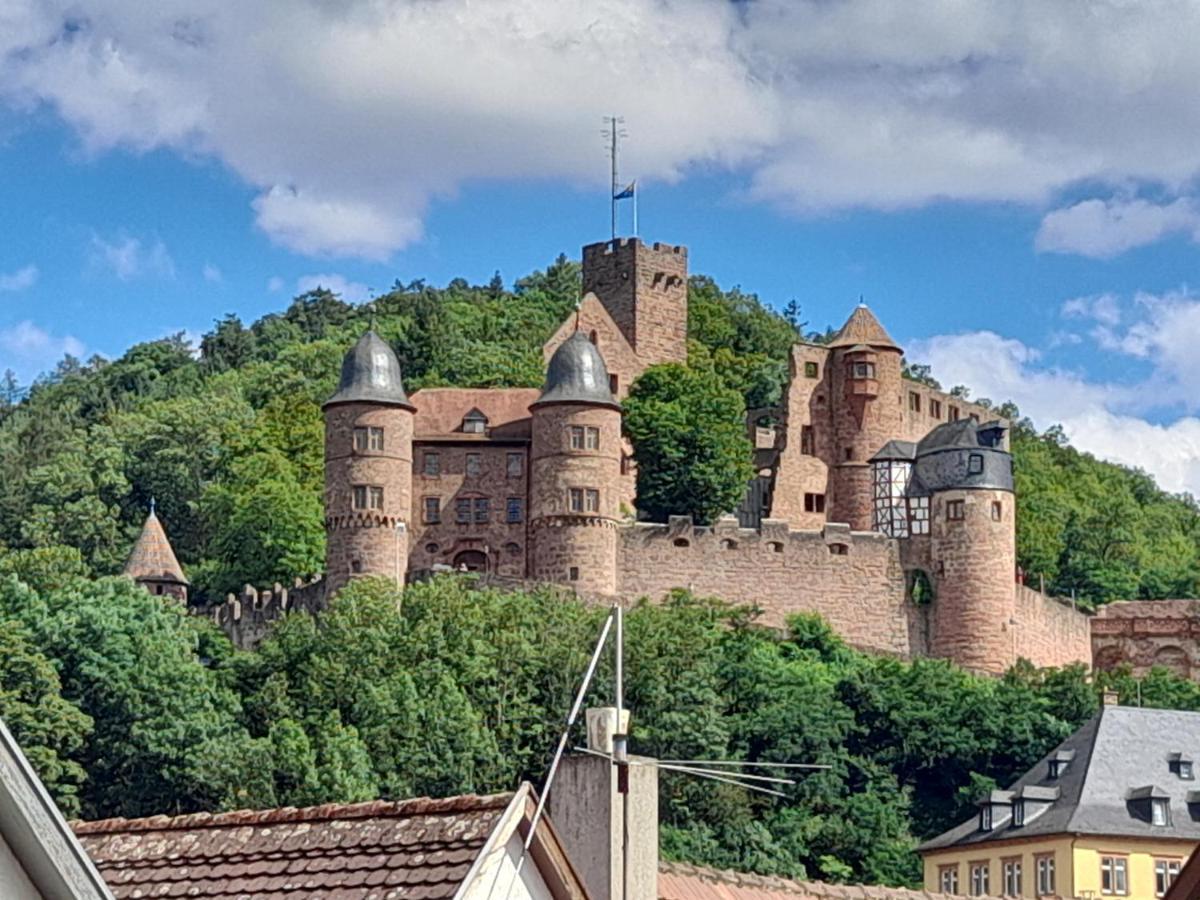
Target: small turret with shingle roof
{"type": "Point", "coordinates": [863, 328]}
{"type": "Point", "coordinates": [152, 562]}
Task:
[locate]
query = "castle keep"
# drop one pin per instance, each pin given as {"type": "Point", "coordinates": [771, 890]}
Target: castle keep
{"type": "Point", "coordinates": [880, 503]}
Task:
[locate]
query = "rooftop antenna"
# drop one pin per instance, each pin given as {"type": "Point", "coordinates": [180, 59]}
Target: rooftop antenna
{"type": "Point", "coordinates": [614, 130]}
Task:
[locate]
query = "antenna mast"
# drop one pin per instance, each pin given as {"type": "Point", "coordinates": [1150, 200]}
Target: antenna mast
{"type": "Point", "coordinates": [614, 130]}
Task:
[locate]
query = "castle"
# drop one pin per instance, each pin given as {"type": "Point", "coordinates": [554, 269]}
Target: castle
{"type": "Point", "coordinates": [880, 503]}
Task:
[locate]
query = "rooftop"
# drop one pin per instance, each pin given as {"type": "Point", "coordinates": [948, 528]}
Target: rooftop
{"type": "Point", "coordinates": [414, 848]}
{"type": "Point", "coordinates": [152, 557]}
{"type": "Point", "coordinates": [577, 374]}
{"type": "Point", "coordinates": [440, 413]}
{"type": "Point", "coordinates": [681, 881]}
{"type": "Point", "coordinates": [370, 374]}
{"type": "Point", "coordinates": [1122, 758]}
{"type": "Point", "coordinates": [863, 328]}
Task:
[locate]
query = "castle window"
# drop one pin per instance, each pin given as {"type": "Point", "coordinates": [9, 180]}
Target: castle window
{"type": "Point", "coordinates": [861, 370]}
{"type": "Point", "coordinates": [433, 465]}
{"type": "Point", "coordinates": [433, 510]}
{"type": "Point", "coordinates": [776, 546]}
{"type": "Point", "coordinates": [975, 464]}
{"type": "Point", "coordinates": [810, 370]}
{"type": "Point", "coordinates": [1114, 875]}
{"type": "Point", "coordinates": [1165, 873]}
{"type": "Point", "coordinates": [918, 515]}
{"type": "Point", "coordinates": [158, 589]}
{"type": "Point", "coordinates": [576, 437]}
{"type": "Point", "coordinates": [682, 542]}
{"type": "Point", "coordinates": [462, 510]}
{"type": "Point", "coordinates": [820, 399]}
{"type": "Point", "coordinates": [914, 401]}
{"type": "Point", "coordinates": [591, 438]}
{"type": "Point", "coordinates": [953, 417]}
{"type": "Point", "coordinates": [512, 549]}
{"type": "Point", "coordinates": [591, 500]}
{"type": "Point", "coordinates": [474, 422]}
{"type": "Point", "coordinates": [935, 408]}
{"type": "Point", "coordinates": [612, 384]}
{"type": "Point", "coordinates": [839, 550]}
{"type": "Point", "coordinates": [482, 509]}
{"type": "Point", "coordinates": [473, 464]}
{"type": "Point", "coordinates": [367, 497]}
{"type": "Point", "coordinates": [432, 548]}
{"type": "Point", "coordinates": [955, 510]}
{"type": "Point", "coordinates": [355, 566]}
{"type": "Point", "coordinates": [814, 503]}
{"type": "Point", "coordinates": [806, 440]}
{"type": "Point", "coordinates": [576, 499]}
{"type": "Point", "coordinates": [360, 439]}
{"type": "Point", "coordinates": [594, 338]}
{"type": "Point", "coordinates": [573, 573]}
{"type": "Point", "coordinates": [515, 465]}
{"type": "Point", "coordinates": [513, 510]}
{"type": "Point", "coordinates": [997, 511]}
{"type": "Point", "coordinates": [849, 454]}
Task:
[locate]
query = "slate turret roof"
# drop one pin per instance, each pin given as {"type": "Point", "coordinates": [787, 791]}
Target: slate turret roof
{"type": "Point", "coordinates": [863, 328]}
{"type": "Point", "coordinates": [371, 374]}
{"type": "Point", "coordinates": [152, 558]}
{"type": "Point", "coordinates": [577, 374]}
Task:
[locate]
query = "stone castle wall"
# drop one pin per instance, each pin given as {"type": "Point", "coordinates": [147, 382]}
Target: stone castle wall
{"type": "Point", "coordinates": [1050, 630]}
{"type": "Point", "coordinates": [246, 617]}
{"type": "Point", "coordinates": [1148, 633]}
{"type": "Point", "coordinates": [853, 579]}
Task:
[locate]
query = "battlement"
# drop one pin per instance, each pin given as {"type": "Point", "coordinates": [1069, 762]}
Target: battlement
{"type": "Point", "coordinates": [247, 616]}
{"type": "Point", "coordinates": [607, 248]}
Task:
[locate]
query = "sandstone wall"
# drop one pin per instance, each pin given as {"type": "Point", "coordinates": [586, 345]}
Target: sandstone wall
{"type": "Point", "coordinates": [803, 468]}
{"type": "Point", "coordinates": [1148, 633]}
{"type": "Point", "coordinates": [853, 579]}
{"type": "Point", "coordinates": [1050, 631]}
{"type": "Point", "coordinates": [246, 617]}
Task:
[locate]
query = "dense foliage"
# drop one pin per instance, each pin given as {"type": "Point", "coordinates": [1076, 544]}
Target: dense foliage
{"type": "Point", "coordinates": [129, 707]}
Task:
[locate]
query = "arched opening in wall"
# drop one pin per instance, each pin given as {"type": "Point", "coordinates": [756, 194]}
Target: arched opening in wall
{"type": "Point", "coordinates": [1174, 660]}
{"type": "Point", "coordinates": [839, 550]}
{"type": "Point", "coordinates": [512, 549]}
{"type": "Point", "coordinates": [356, 566]}
{"type": "Point", "coordinates": [919, 588]}
{"type": "Point", "coordinates": [682, 542]}
{"type": "Point", "coordinates": [775, 546]}
{"type": "Point", "coordinates": [471, 561]}
{"type": "Point", "coordinates": [727, 544]}
{"type": "Point", "coordinates": [1107, 659]}
{"type": "Point", "coordinates": [432, 548]}
{"type": "Point", "coordinates": [593, 337]}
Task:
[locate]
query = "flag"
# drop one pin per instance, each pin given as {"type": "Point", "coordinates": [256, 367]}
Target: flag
{"type": "Point", "coordinates": [627, 193]}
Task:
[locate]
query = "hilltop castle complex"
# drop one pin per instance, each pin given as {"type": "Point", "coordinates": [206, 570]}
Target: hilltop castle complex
{"type": "Point", "coordinates": [881, 503]}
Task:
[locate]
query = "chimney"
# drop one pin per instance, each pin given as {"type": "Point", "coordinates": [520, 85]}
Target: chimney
{"type": "Point", "coordinates": [1111, 698]}
{"type": "Point", "coordinates": [611, 837]}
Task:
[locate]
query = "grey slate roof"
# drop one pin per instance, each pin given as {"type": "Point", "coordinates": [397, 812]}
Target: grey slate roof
{"type": "Point", "coordinates": [370, 374]}
{"type": "Point", "coordinates": [943, 459]}
{"type": "Point", "coordinates": [1120, 751]}
{"type": "Point", "coordinates": [577, 374]}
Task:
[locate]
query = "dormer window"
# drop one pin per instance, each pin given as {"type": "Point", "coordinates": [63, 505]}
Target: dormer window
{"type": "Point", "coordinates": [1181, 765]}
{"type": "Point", "coordinates": [1018, 815]}
{"type": "Point", "coordinates": [1160, 812]}
{"type": "Point", "coordinates": [474, 422]}
{"type": "Point", "coordinates": [993, 808]}
{"type": "Point", "coordinates": [985, 817]}
{"type": "Point", "coordinates": [1150, 804]}
{"type": "Point", "coordinates": [1059, 763]}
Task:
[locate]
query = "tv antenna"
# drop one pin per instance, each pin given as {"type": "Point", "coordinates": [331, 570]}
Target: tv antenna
{"type": "Point", "coordinates": [614, 130]}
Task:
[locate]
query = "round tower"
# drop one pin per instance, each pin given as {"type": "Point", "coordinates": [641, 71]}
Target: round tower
{"type": "Point", "coordinates": [152, 562]}
{"type": "Point", "coordinates": [967, 475]}
{"type": "Point", "coordinates": [368, 467]}
{"type": "Point", "coordinates": [575, 472]}
{"type": "Point", "coordinates": [865, 372]}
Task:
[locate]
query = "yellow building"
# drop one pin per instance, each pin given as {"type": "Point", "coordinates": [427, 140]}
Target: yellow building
{"type": "Point", "coordinates": [1113, 811]}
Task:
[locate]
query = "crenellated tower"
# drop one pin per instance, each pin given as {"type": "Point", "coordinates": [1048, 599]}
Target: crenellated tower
{"type": "Point", "coordinates": [865, 381]}
{"type": "Point", "coordinates": [575, 472]}
{"type": "Point", "coordinates": [368, 467]}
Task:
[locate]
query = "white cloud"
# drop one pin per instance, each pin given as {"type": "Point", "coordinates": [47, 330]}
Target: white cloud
{"type": "Point", "coordinates": [350, 291]}
{"type": "Point", "coordinates": [19, 280]}
{"type": "Point", "coordinates": [29, 349]}
{"type": "Point", "coordinates": [1103, 308]}
{"type": "Point", "coordinates": [350, 118]}
{"type": "Point", "coordinates": [1103, 229]}
{"type": "Point", "coordinates": [212, 274]}
{"type": "Point", "coordinates": [1102, 417]}
{"type": "Point", "coordinates": [128, 257]}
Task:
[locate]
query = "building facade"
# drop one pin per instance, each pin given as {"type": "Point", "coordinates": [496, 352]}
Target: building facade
{"type": "Point", "coordinates": [1107, 813]}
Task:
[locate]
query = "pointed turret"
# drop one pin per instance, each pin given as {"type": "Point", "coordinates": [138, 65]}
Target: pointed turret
{"type": "Point", "coordinates": [371, 374]}
{"type": "Point", "coordinates": [577, 374]}
{"type": "Point", "coordinates": [152, 562]}
{"type": "Point", "coordinates": [862, 328]}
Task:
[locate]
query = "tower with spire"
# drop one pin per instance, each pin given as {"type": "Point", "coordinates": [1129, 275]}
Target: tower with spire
{"type": "Point", "coordinates": [368, 467]}
{"type": "Point", "coordinates": [152, 562]}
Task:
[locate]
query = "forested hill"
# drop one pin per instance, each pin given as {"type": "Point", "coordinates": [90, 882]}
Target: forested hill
{"type": "Point", "coordinates": [227, 437]}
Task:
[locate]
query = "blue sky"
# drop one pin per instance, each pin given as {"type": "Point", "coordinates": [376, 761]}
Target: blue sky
{"type": "Point", "coordinates": [1018, 217]}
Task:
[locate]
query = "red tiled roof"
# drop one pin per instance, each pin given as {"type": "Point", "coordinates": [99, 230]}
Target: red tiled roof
{"type": "Point", "coordinates": [152, 556]}
{"type": "Point", "coordinates": [440, 411]}
{"type": "Point", "coordinates": [412, 849]}
{"type": "Point", "coordinates": [862, 328]}
{"type": "Point", "coordinates": [681, 881]}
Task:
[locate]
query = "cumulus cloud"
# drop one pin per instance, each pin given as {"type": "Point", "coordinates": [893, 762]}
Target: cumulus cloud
{"type": "Point", "coordinates": [350, 291]}
{"type": "Point", "coordinates": [1106, 418]}
{"type": "Point", "coordinates": [350, 118]}
{"type": "Point", "coordinates": [19, 280]}
{"type": "Point", "coordinates": [129, 257]}
{"type": "Point", "coordinates": [1104, 229]}
{"type": "Point", "coordinates": [29, 349]}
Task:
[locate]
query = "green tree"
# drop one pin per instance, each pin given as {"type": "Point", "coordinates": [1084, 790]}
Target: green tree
{"type": "Point", "coordinates": [689, 439]}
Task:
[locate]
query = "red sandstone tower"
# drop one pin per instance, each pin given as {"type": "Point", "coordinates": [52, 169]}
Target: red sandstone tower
{"type": "Point", "coordinates": [644, 289]}
{"type": "Point", "coordinates": [865, 372]}
{"type": "Point", "coordinates": [575, 472]}
{"type": "Point", "coordinates": [368, 467]}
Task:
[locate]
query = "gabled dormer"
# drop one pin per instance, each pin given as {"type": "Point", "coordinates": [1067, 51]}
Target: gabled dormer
{"type": "Point", "coordinates": [1059, 763]}
{"type": "Point", "coordinates": [1030, 801]}
{"type": "Point", "coordinates": [1150, 803]}
{"type": "Point", "coordinates": [1180, 764]}
{"type": "Point", "coordinates": [994, 808]}
{"type": "Point", "coordinates": [474, 422]}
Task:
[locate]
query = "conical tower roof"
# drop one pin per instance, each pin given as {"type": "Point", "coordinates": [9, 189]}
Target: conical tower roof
{"type": "Point", "coordinates": [152, 558]}
{"type": "Point", "coordinates": [371, 374]}
{"type": "Point", "coordinates": [577, 374]}
{"type": "Point", "coordinates": [863, 328]}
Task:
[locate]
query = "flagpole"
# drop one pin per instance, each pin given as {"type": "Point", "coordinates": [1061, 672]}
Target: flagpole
{"type": "Point", "coordinates": [635, 193]}
{"type": "Point", "coordinates": [613, 192]}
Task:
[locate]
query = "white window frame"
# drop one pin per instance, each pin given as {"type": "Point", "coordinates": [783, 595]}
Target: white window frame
{"type": "Point", "coordinates": [1012, 877]}
{"type": "Point", "coordinates": [1045, 875]}
{"type": "Point", "coordinates": [948, 879]}
{"type": "Point", "coordinates": [1165, 873]}
{"type": "Point", "coordinates": [1114, 876]}
{"type": "Point", "coordinates": [979, 879]}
